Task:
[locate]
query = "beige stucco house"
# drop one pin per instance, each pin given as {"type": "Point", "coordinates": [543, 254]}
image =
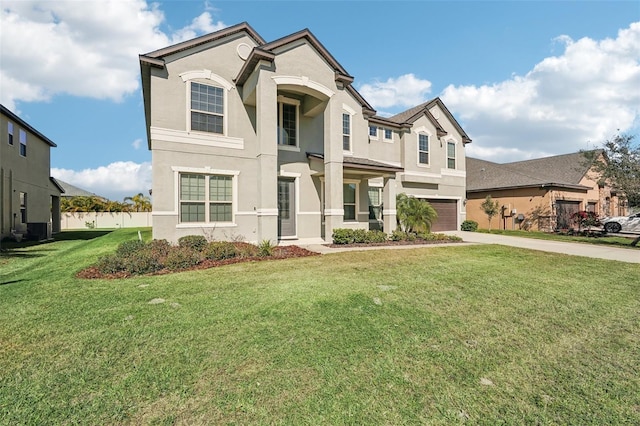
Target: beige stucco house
{"type": "Point", "coordinates": [540, 194]}
{"type": "Point", "coordinates": [270, 141]}
{"type": "Point", "coordinates": [29, 197]}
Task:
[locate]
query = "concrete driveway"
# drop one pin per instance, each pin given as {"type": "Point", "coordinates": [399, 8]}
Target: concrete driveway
{"type": "Point", "coordinates": [575, 249]}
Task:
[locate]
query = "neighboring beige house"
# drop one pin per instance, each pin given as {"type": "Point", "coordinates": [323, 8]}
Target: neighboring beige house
{"type": "Point", "coordinates": [30, 198]}
{"type": "Point", "coordinates": [539, 194]}
{"type": "Point", "coordinates": [270, 141]}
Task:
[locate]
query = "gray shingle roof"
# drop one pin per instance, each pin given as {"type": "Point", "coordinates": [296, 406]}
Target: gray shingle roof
{"type": "Point", "coordinates": [74, 191]}
{"type": "Point", "coordinates": [561, 170]}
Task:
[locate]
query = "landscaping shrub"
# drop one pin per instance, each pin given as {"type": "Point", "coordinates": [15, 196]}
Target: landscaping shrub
{"type": "Point", "coordinates": [159, 248]}
{"type": "Point", "coordinates": [141, 262]}
{"type": "Point", "coordinates": [342, 236]}
{"type": "Point", "coordinates": [110, 264]}
{"type": "Point", "coordinates": [246, 250]}
{"type": "Point", "coordinates": [376, 236]}
{"type": "Point", "coordinates": [469, 225]}
{"type": "Point", "coordinates": [360, 236]}
{"type": "Point", "coordinates": [398, 235]}
{"type": "Point", "coordinates": [182, 258]}
{"type": "Point", "coordinates": [126, 248]}
{"type": "Point", "coordinates": [220, 250]}
{"type": "Point", "coordinates": [194, 242]}
{"type": "Point", "coordinates": [265, 248]}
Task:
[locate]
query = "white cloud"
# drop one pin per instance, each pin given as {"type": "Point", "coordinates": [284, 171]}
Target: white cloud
{"type": "Point", "coordinates": [405, 91]}
{"type": "Point", "coordinates": [565, 103]}
{"type": "Point", "coordinates": [81, 48]}
{"type": "Point", "coordinates": [114, 181]}
{"type": "Point", "coordinates": [137, 144]}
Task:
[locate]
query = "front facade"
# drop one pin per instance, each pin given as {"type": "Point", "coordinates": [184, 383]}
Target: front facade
{"type": "Point", "coordinates": [269, 141]}
{"type": "Point", "coordinates": [29, 197]}
{"type": "Point", "coordinates": [539, 194]}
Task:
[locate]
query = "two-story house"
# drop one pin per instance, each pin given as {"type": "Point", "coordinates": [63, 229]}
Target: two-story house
{"type": "Point", "coordinates": [29, 197]}
{"type": "Point", "coordinates": [270, 141]}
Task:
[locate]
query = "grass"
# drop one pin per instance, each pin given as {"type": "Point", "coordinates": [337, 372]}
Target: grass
{"type": "Point", "coordinates": [442, 335]}
{"type": "Point", "coordinates": [606, 240]}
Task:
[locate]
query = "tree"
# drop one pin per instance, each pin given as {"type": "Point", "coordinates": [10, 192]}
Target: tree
{"type": "Point", "coordinates": [140, 202]}
{"type": "Point", "coordinates": [490, 208]}
{"type": "Point", "coordinates": [621, 168]}
{"type": "Point", "coordinates": [414, 215]}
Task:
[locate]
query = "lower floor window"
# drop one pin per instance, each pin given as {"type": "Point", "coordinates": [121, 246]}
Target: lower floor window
{"type": "Point", "coordinates": [349, 197]}
{"type": "Point", "coordinates": [23, 207]}
{"type": "Point", "coordinates": [206, 198]}
{"type": "Point", "coordinates": [375, 203]}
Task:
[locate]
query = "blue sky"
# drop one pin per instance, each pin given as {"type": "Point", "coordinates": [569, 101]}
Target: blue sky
{"type": "Point", "coordinates": [524, 79]}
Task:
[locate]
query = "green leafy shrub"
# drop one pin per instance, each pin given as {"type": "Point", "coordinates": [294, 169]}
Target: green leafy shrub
{"type": "Point", "coordinates": [360, 236]}
{"type": "Point", "coordinates": [265, 248]}
{"type": "Point", "coordinates": [194, 242]}
{"type": "Point", "coordinates": [159, 248]}
{"type": "Point", "coordinates": [376, 236]}
{"type": "Point", "coordinates": [343, 236]}
{"type": "Point", "coordinates": [127, 248]}
{"type": "Point", "coordinates": [220, 250]}
{"type": "Point", "coordinates": [469, 225]}
{"type": "Point", "coordinates": [110, 264]}
{"type": "Point", "coordinates": [246, 250]}
{"type": "Point", "coordinates": [398, 235]}
{"type": "Point", "coordinates": [182, 258]}
{"type": "Point", "coordinates": [141, 262]}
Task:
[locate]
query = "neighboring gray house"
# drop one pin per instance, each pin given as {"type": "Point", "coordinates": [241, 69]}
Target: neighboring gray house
{"type": "Point", "coordinates": [71, 191]}
{"type": "Point", "coordinates": [29, 197]}
{"type": "Point", "coordinates": [270, 141]}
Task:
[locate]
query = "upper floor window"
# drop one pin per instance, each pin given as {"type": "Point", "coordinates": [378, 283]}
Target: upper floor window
{"type": "Point", "coordinates": [388, 134]}
{"type": "Point", "coordinates": [207, 108]}
{"type": "Point", "coordinates": [346, 132]}
{"type": "Point", "coordinates": [373, 132]}
{"type": "Point", "coordinates": [10, 132]}
{"type": "Point", "coordinates": [287, 123]}
{"type": "Point", "coordinates": [451, 155]}
{"type": "Point", "coordinates": [23, 143]}
{"type": "Point", "coordinates": [206, 198]}
{"type": "Point", "coordinates": [423, 148]}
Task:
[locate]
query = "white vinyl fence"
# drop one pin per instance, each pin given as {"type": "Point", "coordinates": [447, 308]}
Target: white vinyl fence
{"type": "Point", "coordinates": [92, 220]}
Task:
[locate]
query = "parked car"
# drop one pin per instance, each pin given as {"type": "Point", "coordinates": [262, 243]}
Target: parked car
{"type": "Point", "coordinates": [617, 224]}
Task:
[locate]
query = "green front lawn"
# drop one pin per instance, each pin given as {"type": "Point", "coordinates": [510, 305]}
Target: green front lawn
{"type": "Point", "coordinates": [601, 240]}
{"type": "Point", "coordinates": [438, 335]}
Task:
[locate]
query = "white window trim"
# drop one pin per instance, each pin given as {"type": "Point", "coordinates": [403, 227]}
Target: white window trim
{"type": "Point", "coordinates": [296, 188]}
{"type": "Point", "coordinates": [177, 170]}
{"type": "Point", "coordinates": [428, 134]}
{"type": "Point", "coordinates": [446, 154]}
{"type": "Point", "coordinates": [384, 135]}
{"type": "Point", "coordinates": [346, 109]}
{"type": "Point", "coordinates": [357, 206]}
{"type": "Point", "coordinates": [371, 137]}
{"type": "Point", "coordinates": [213, 80]}
{"type": "Point", "coordinates": [289, 101]}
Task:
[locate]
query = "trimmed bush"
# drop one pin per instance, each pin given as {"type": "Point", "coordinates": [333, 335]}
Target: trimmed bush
{"type": "Point", "coordinates": [342, 236]}
{"type": "Point", "coordinates": [159, 248]}
{"type": "Point", "coordinates": [141, 262]}
{"type": "Point", "coordinates": [194, 242]}
{"type": "Point", "coordinates": [126, 248]}
{"type": "Point", "coordinates": [360, 236]}
{"type": "Point", "coordinates": [376, 236]}
{"type": "Point", "coordinates": [110, 264]}
{"type": "Point", "coordinates": [220, 250]}
{"type": "Point", "coordinates": [469, 225]}
{"type": "Point", "coordinates": [246, 250]}
{"type": "Point", "coordinates": [182, 258]}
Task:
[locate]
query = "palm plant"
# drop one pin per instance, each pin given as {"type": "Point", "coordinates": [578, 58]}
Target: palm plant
{"type": "Point", "coordinates": [414, 215]}
{"type": "Point", "coordinates": [140, 202]}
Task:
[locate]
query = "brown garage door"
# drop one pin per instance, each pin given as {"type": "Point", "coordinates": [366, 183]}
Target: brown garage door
{"type": "Point", "coordinates": [447, 215]}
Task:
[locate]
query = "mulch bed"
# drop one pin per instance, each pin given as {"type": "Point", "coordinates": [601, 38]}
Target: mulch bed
{"type": "Point", "coordinates": [281, 252]}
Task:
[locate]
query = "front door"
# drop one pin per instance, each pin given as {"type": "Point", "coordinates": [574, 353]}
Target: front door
{"type": "Point", "coordinates": [286, 208]}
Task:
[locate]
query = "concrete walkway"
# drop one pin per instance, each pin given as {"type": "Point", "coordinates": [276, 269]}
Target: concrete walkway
{"type": "Point", "coordinates": [574, 249]}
